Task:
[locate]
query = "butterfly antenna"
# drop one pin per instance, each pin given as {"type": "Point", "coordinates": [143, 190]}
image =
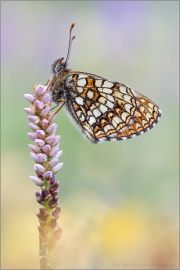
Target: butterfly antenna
{"type": "Point", "coordinates": [70, 43]}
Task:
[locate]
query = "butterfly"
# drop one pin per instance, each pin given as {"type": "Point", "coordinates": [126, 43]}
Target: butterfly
{"type": "Point", "coordinates": [102, 109]}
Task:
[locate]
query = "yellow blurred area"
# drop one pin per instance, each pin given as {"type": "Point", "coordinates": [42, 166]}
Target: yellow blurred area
{"type": "Point", "coordinates": [122, 230]}
{"type": "Point", "coordinates": [103, 236]}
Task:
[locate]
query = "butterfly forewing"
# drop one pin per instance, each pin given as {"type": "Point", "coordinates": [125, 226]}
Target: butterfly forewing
{"type": "Point", "coordinates": [105, 110]}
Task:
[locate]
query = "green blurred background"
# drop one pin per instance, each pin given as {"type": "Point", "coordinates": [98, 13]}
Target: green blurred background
{"type": "Point", "coordinates": [119, 199]}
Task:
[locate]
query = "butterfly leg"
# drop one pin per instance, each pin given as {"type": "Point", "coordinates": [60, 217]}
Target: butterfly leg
{"type": "Point", "coordinates": [63, 102]}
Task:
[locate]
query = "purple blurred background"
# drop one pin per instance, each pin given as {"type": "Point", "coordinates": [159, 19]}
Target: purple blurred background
{"type": "Point", "coordinates": [120, 199]}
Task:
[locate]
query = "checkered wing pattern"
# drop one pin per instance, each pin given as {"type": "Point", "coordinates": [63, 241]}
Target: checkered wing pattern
{"type": "Point", "coordinates": [105, 110]}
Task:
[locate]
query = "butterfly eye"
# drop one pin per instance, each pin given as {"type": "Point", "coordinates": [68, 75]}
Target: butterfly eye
{"type": "Point", "coordinates": [58, 68]}
{"type": "Point", "coordinates": [58, 65]}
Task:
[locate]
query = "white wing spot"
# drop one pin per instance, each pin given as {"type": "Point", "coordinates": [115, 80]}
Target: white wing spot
{"type": "Point", "coordinates": [98, 83]}
{"type": "Point", "coordinates": [107, 90]}
{"type": "Point", "coordinates": [150, 110]}
{"type": "Point", "coordinates": [88, 128]}
{"type": "Point", "coordinates": [116, 120]}
{"type": "Point", "coordinates": [108, 84]}
{"type": "Point", "coordinates": [107, 128]}
{"type": "Point", "coordinates": [123, 89]}
{"type": "Point", "coordinates": [90, 94]}
{"type": "Point", "coordinates": [110, 98]}
{"type": "Point", "coordinates": [103, 108]}
{"type": "Point", "coordinates": [148, 116]}
{"type": "Point", "coordinates": [124, 116]}
{"type": "Point", "coordinates": [102, 100]}
{"type": "Point", "coordinates": [82, 118]}
{"type": "Point", "coordinates": [118, 95]}
{"type": "Point", "coordinates": [92, 120]}
{"type": "Point", "coordinates": [100, 132]}
{"type": "Point", "coordinates": [142, 100]}
{"type": "Point", "coordinates": [109, 104]}
{"type": "Point", "coordinates": [96, 113]}
{"type": "Point", "coordinates": [79, 89]}
{"type": "Point", "coordinates": [128, 107]}
{"type": "Point", "coordinates": [80, 76]}
{"type": "Point", "coordinates": [81, 82]}
{"type": "Point", "coordinates": [141, 108]}
{"type": "Point", "coordinates": [79, 113]}
{"type": "Point", "coordinates": [79, 100]}
{"type": "Point", "coordinates": [89, 113]}
{"type": "Point", "coordinates": [127, 98]}
{"type": "Point", "coordinates": [151, 105]}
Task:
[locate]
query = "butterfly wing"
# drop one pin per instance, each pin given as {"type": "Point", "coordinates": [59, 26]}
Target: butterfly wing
{"type": "Point", "coordinates": [105, 110]}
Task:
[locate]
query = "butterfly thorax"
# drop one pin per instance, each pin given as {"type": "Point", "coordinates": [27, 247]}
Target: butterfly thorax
{"type": "Point", "coordinates": [58, 86]}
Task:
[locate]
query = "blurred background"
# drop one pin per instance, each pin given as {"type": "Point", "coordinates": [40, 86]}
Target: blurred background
{"type": "Point", "coordinates": [119, 199]}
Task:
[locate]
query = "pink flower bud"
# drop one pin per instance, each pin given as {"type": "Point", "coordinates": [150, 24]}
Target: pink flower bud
{"type": "Point", "coordinates": [38, 197]}
{"type": "Point", "coordinates": [42, 232]}
{"type": "Point", "coordinates": [40, 89]}
{"type": "Point", "coordinates": [34, 157]}
{"type": "Point", "coordinates": [53, 202]}
{"type": "Point", "coordinates": [47, 174]}
{"type": "Point", "coordinates": [39, 168]}
{"type": "Point", "coordinates": [57, 139]}
{"type": "Point", "coordinates": [53, 223]}
{"type": "Point", "coordinates": [34, 148]}
{"type": "Point", "coordinates": [39, 175]}
{"type": "Point", "coordinates": [44, 123]}
{"type": "Point", "coordinates": [44, 212]}
{"type": "Point", "coordinates": [29, 98]}
{"type": "Point", "coordinates": [51, 128]}
{"type": "Point", "coordinates": [40, 133]}
{"type": "Point", "coordinates": [59, 153]}
{"type": "Point", "coordinates": [29, 111]}
{"type": "Point", "coordinates": [57, 233]}
{"type": "Point", "coordinates": [39, 104]}
{"type": "Point", "coordinates": [45, 194]}
{"type": "Point", "coordinates": [53, 180]}
{"type": "Point", "coordinates": [50, 139]}
{"type": "Point", "coordinates": [32, 136]}
{"type": "Point", "coordinates": [33, 126]}
{"type": "Point", "coordinates": [56, 212]}
{"type": "Point", "coordinates": [53, 152]}
{"type": "Point", "coordinates": [42, 157]}
{"type": "Point", "coordinates": [45, 111]}
{"type": "Point", "coordinates": [46, 148]}
{"type": "Point", "coordinates": [40, 142]}
{"type": "Point", "coordinates": [34, 119]}
{"type": "Point", "coordinates": [36, 181]}
{"type": "Point", "coordinates": [46, 98]}
{"type": "Point", "coordinates": [53, 162]}
{"type": "Point", "coordinates": [56, 168]}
